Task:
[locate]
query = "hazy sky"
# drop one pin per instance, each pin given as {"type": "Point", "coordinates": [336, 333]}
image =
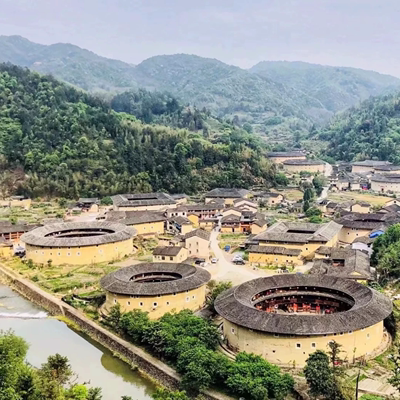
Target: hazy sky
{"type": "Point", "coordinates": [358, 33]}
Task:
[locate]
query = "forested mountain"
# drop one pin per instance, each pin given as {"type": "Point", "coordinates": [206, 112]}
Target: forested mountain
{"type": "Point", "coordinates": [337, 88]}
{"type": "Point", "coordinates": [71, 144]}
{"type": "Point", "coordinates": [371, 130]}
{"type": "Point", "coordinates": [225, 90]}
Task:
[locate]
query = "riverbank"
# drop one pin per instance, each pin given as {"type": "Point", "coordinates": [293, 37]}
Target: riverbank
{"type": "Point", "coordinates": [146, 363]}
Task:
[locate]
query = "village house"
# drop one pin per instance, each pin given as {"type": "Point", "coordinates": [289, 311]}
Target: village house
{"type": "Point", "coordinates": [364, 244]}
{"type": "Point", "coordinates": [13, 232]}
{"type": "Point", "coordinates": [198, 243]}
{"type": "Point", "coordinates": [170, 254]}
{"type": "Point", "coordinates": [342, 262]}
{"type": "Point", "coordinates": [387, 169]}
{"type": "Point", "coordinates": [90, 205]}
{"type": "Point", "coordinates": [245, 204]}
{"type": "Point", "coordinates": [278, 157]}
{"type": "Point", "coordinates": [269, 198]}
{"type": "Point", "coordinates": [274, 255]}
{"type": "Point", "coordinates": [356, 225]}
{"type": "Point", "coordinates": [146, 223]}
{"type": "Point", "coordinates": [17, 201]}
{"type": "Point", "coordinates": [228, 195]}
{"type": "Point", "coordinates": [181, 198]}
{"type": "Point", "coordinates": [367, 166]}
{"type": "Point", "coordinates": [306, 237]}
{"type": "Point", "coordinates": [179, 225]}
{"type": "Point", "coordinates": [389, 183]}
{"type": "Point", "coordinates": [297, 166]}
{"type": "Point", "coordinates": [143, 202]}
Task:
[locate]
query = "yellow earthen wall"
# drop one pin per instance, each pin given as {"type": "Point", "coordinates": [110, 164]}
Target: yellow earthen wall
{"type": "Point", "coordinates": [158, 207]}
{"type": "Point", "coordinates": [150, 228]}
{"type": "Point", "coordinates": [283, 350]}
{"type": "Point", "coordinates": [274, 259]}
{"type": "Point", "coordinates": [230, 229]}
{"type": "Point", "coordinates": [197, 247]}
{"type": "Point", "coordinates": [360, 209]}
{"type": "Point", "coordinates": [280, 160]}
{"type": "Point", "coordinates": [192, 300]}
{"type": "Point", "coordinates": [256, 229]}
{"type": "Point", "coordinates": [362, 169]}
{"type": "Point", "coordinates": [348, 235]}
{"type": "Point", "coordinates": [309, 168]}
{"type": "Point", "coordinates": [383, 187]}
{"type": "Point", "coordinates": [182, 256]}
{"type": "Point", "coordinates": [79, 255]}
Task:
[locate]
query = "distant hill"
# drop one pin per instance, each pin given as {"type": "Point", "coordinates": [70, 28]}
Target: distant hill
{"type": "Point", "coordinates": [370, 131]}
{"type": "Point", "coordinates": [337, 88]}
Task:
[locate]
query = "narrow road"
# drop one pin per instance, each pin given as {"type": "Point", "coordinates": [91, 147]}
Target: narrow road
{"type": "Point", "coordinates": [225, 270]}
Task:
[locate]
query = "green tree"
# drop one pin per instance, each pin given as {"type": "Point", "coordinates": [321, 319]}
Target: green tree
{"type": "Point", "coordinates": [320, 377]}
{"type": "Point", "coordinates": [216, 291]}
{"type": "Point", "coordinates": [106, 201]}
{"type": "Point", "coordinates": [281, 179]}
{"type": "Point", "coordinates": [306, 205]}
{"type": "Point", "coordinates": [313, 211]}
{"type": "Point", "coordinates": [165, 394]}
{"type": "Point", "coordinates": [319, 182]}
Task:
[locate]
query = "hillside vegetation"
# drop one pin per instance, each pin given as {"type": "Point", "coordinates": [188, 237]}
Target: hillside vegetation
{"type": "Point", "coordinates": [70, 143]}
{"type": "Point", "coordinates": [336, 88]}
{"type": "Point", "coordinates": [371, 131]}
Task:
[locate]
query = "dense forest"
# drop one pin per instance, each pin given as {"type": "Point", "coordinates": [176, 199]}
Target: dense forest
{"type": "Point", "coordinates": [69, 143]}
{"type": "Point", "coordinates": [371, 131]}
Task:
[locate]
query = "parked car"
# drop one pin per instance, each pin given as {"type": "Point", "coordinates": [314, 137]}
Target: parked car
{"type": "Point", "coordinates": [239, 262]}
{"type": "Point", "coordinates": [199, 261]}
{"type": "Point", "coordinates": [237, 257]}
{"type": "Point", "coordinates": [214, 260]}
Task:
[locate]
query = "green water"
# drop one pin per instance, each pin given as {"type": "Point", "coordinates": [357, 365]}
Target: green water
{"type": "Point", "coordinates": [93, 363]}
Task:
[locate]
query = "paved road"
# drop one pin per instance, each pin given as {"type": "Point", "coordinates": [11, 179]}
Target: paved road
{"type": "Point", "coordinates": [225, 270]}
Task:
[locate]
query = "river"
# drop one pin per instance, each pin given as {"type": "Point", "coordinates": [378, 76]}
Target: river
{"type": "Point", "coordinates": [92, 362]}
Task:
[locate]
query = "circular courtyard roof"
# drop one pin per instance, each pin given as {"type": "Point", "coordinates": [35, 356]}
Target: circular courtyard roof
{"type": "Point", "coordinates": [78, 234]}
{"type": "Point", "coordinates": [367, 307]}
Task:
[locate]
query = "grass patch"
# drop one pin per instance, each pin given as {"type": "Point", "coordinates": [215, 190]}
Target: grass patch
{"type": "Point", "coordinates": [371, 198]}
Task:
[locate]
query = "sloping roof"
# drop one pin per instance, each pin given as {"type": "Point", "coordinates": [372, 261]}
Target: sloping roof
{"type": "Point", "coordinates": [392, 208]}
{"type": "Point", "coordinates": [387, 168]}
{"type": "Point", "coordinates": [180, 220]}
{"type": "Point", "coordinates": [123, 281]}
{"type": "Point", "coordinates": [227, 193]}
{"type": "Point", "coordinates": [369, 308]}
{"type": "Point", "coordinates": [4, 229]}
{"type": "Point", "coordinates": [179, 196]}
{"type": "Point", "coordinates": [91, 200]}
{"type": "Point", "coordinates": [200, 207]}
{"type": "Point", "coordinates": [245, 200]}
{"type": "Point", "coordinates": [142, 199]}
{"type": "Point", "coordinates": [87, 234]}
{"type": "Point", "coordinates": [268, 194]}
{"type": "Point", "coordinates": [370, 221]}
{"type": "Point", "coordinates": [356, 263]}
{"type": "Point", "coordinates": [388, 178]}
{"type": "Point", "coordinates": [273, 154]}
{"type": "Point", "coordinates": [274, 250]}
{"type": "Point", "coordinates": [299, 232]}
{"type": "Point", "coordinates": [167, 250]}
{"type": "Point", "coordinates": [135, 217]}
{"type": "Point", "coordinates": [201, 233]}
{"type": "Point", "coordinates": [303, 162]}
{"type": "Point", "coordinates": [370, 163]}
{"type": "Point", "coordinates": [259, 222]}
{"type": "Point", "coordinates": [230, 218]}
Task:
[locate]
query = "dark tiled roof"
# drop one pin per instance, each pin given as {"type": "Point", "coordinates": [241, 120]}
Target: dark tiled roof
{"type": "Point", "coordinates": [370, 163]}
{"type": "Point", "coordinates": [121, 281]}
{"type": "Point", "coordinates": [51, 235]}
{"type": "Point", "coordinates": [387, 168]}
{"type": "Point", "coordinates": [180, 220]}
{"type": "Point", "coordinates": [388, 178]}
{"type": "Point", "coordinates": [303, 162]}
{"type": "Point", "coordinates": [4, 229]}
{"type": "Point", "coordinates": [356, 263]}
{"type": "Point", "coordinates": [274, 250]}
{"type": "Point", "coordinates": [299, 232]}
{"type": "Point", "coordinates": [179, 196]}
{"type": "Point", "coordinates": [245, 200]}
{"type": "Point", "coordinates": [200, 207]}
{"type": "Point", "coordinates": [268, 194]}
{"type": "Point", "coordinates": [135, 217]}
{"type": "Point", "coordinates": [273, 154]}
{"type": "Point", "coordinates": [227, 193]}
{"type": "Point", "coordinates": [230, 218]}
{"type": "Point", "coordinates": [201, 233]}
{"type": "Point", "coordinates": [370, 307]}
{"type": "Point", "coordinates": [91, 200]}
{"type": "Point", "coordinates": [142, 199]}
{"type": "Point", "coordinates": [370, 221]}
{"type": "Point", "coordinates": [392, 208]}
{"type": "Point", "coordinates": [167, 250]}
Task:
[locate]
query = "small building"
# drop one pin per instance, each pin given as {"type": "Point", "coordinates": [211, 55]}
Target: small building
{"type": "Point", "coordinates": [179, 225]}
{"type": "Point", "coordinates": [231, 211]}
{"type": "Point", "coordinates": [13, 232]}
{"type": "Point", "coordinates": [342, 262]}
{"type": "Point", "coordinates": [143, 202]}
{"type": "Point", "coordinates": [198, 243]}
{"type": "Point", "coordinates": [364, 244]}
{"type": "Point", "coordinates": [231, 224]}
{"type": "Point", "coordinates": [360, 207]}
{"type": "Point", "coordinates": [90, 205]}
{"type": "Point", "coordinates": [356, 225]}
{"type": "Point", "coordinates": [180, 198]}
{"type": "Point", "coordinates": [274, 255]}
{"type": "Point", "coordinates": [228, 195]}
{"type": "Point", "coordinates": [208, 224]}
{"type": "Point", "coordinates": [245, 204]}
{"type": "Point", "coordinates": [173, 254]}
{"type": "Point", "coordinates": [6, 248]}
{"type": "Point", "coordinates": [278, 157]}
{"type": "Point", "coordinates": [389, 183]}
{"type": "Point", "coordinates": [194, 219]}
{"type": "Point", "coordinates": [269, 198]}
{"type": "Point", "coordinates": [286, 317]}
{"type": "Point", "coordinates": [297, 166]}
{"type": "Point", "coordinates": [367, 166]}
{"type": "Point", "coordinates": [304, 236]}
{"type": "Point", "coordinates": [17, 201]}
{"type": "Point", "coordinates": [146, 223]}
{"type": "Point", "coordinates": [257, 226]}
{"type": "Point", "coordinates": [387, 169]}
{"type": "Point", "coordinates": [156, 288]}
